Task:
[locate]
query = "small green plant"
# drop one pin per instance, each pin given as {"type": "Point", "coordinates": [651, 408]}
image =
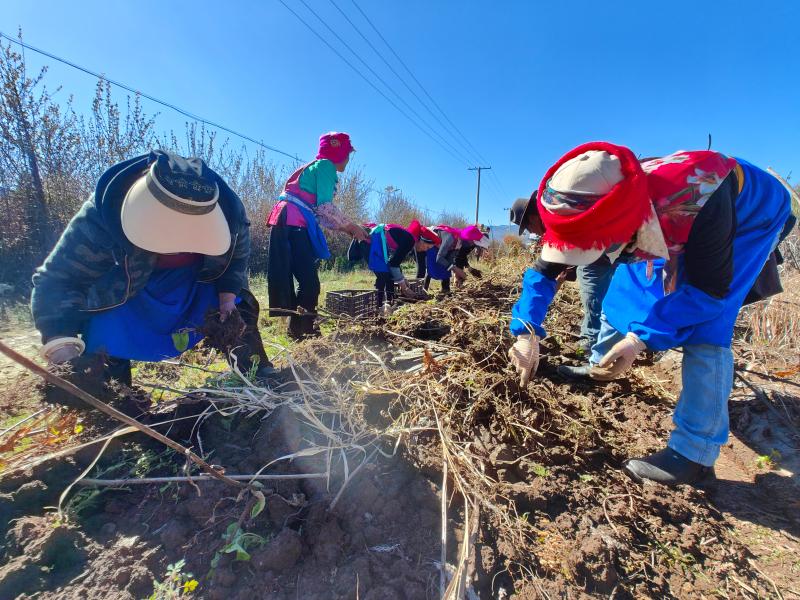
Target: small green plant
{"type": "Point", "coordinates": [239, 542]}
{"type": "Point", "coordinates": [586, 478]}
{"type": "Point", "coordinates": [176, 583]}
{"type": "Point", "coordinates": [769, 461]}
{"type": "Point", "coordinates": [540, 470]}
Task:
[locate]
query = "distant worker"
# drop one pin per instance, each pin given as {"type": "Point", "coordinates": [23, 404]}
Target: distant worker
{"type": "Point", "coordinates": [162, 241]}
{"type": "Point", "coordinates": [593, 279]}
{"type": "Point", "coordinates": [296, 240]}
{"type": "Point", "coordinates": [388, 247]}
{"type": "Point", "coordinates": [451, 257]}
{"type": "Point", "coordinates": [715, 220]}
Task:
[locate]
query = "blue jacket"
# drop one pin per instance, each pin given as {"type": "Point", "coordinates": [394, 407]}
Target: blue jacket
{"type": "Point", "coordinates": [687, 316]}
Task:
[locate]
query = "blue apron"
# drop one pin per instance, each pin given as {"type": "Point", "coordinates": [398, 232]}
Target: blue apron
{"type": "Point", "coordinates": [378, 261]}
{"type": "Point", "coordinates": [689, 316]}
{"type": "Point", "coordinates": [315, 233]}
{"type": "Point", "coordinates": [435, 270]}
{"type": "Point", "coordinates": [141, 329]}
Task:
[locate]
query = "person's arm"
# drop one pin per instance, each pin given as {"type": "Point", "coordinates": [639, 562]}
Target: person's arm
{"type": "Point", "coordinates": [538, 289]}
{"type": "Point", "coordinates": [323, 178]}
{"type": "Point", "coordinates": [234, 278]}
{"type": "Point", "coordinates": [445, 255]}
{"type": "Point", "coordinates": [461, 259]}
{"type": "Point", "coordinates": [708, 264]}
{"type": "Point", "coordinates": [82, 255]}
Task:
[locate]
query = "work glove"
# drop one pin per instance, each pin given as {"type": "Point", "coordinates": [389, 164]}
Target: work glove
{"type": "Point", "coordinates": [227, 304]}
{"type": "Point", "coordinates": [620, 358]}
{"type": "Point", "coordinates": [61, 350]}
{"type": "Point", "coordinates": [477, 273]}
{"type": "Point", "coordinates": [524, 355]}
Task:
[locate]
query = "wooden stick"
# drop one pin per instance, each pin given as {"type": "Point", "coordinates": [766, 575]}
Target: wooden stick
{"type": "Point", "coordinates": [113, 412]}
{"type": "Point", "coordinates": [149, 480]}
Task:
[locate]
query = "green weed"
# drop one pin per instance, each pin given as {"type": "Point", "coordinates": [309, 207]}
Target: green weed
{"type": "Point", "coordinates": [176, 583]}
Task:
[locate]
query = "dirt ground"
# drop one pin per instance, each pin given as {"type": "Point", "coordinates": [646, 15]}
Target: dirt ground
{"type": "Point", "coordinates": [556, 517]}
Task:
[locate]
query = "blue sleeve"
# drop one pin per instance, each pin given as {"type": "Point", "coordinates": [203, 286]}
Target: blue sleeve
{"type": "Point", "coordinates": [672, 319]}
{"type": "Point", "coordinates": [533, 303]}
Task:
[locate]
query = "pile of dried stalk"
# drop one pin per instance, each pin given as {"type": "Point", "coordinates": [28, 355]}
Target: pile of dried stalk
{"type": "Point", "coordinates": [533, 473]}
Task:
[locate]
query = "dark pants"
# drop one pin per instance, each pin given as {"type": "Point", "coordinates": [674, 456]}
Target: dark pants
{"type": "Point", "coordinates": [422, 270]}
{"type": "Point", "coordinates": [291, 257]}
{"type": "Point", "coordinates": [385, 287]}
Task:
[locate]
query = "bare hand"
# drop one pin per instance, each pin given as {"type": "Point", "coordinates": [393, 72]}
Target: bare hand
{"type": "Point", "coordinates": [227, 304]}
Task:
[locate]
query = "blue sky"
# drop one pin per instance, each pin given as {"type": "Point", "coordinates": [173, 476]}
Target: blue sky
{"type": "Point", "coordinates": [524, 81]}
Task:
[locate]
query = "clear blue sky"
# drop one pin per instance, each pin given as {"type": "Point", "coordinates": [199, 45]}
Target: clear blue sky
{"type": "Point", "coordinates": [524, 81]}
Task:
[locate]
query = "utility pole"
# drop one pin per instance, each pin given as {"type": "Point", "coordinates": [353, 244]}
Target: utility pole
{"type": "Point", "coordinates": [478, 197]}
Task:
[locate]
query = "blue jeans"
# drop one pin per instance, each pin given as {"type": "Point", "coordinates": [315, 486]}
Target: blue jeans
{"type": "Point", "coordinates": [701, 415]}
{"type": "Point", "coordinates": [594, 280]}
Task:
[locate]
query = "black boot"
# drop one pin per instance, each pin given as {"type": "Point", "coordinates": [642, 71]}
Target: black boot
{"type": "Point", "coordinates": [251, 351]}
{"type": "Point", "coordinates": [580, 373]}
{"type": "Point", "coordinates": [668, 467]}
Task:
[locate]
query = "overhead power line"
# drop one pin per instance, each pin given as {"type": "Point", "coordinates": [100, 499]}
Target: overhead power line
{"type": "Point", "coordinates": [417, 81]}
{"type": "Point", "coordinates": [164, 103]}
{"type": "Point", "coordinates": [366, 79]}
{"type": "Point", "coordinates": [402, 80]}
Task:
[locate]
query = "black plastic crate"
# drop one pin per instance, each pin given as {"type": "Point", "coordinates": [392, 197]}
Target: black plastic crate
{"type": "Point", "coordinates": [354, 303]}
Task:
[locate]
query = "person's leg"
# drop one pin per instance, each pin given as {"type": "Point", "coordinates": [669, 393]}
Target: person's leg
{"type": "Point", "coordinates": [280, 288]}
{"type": "Point", "coordinates": [701, 416]}
{"type": "Point", "coordinates": [593, 280]}
{"type": "Point", "coordinates": [427, 283]}
{"type": "Point", "coordinates": [118, 369]}
{"type": "Point", "coordinates": [380, 286]}
{"type": "Point", "coordinates": [421, 264]}
{"type": "Point", "coordinates": [446, 286]}
{"type": "Point", "coordinates": [304, 269]}
{"type": "Point", "coordinates": [606, 337]}
{"type": "Point", "coordinates": [251, 343]}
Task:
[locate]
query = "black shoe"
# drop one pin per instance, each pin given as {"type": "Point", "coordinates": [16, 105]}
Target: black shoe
{"type": "Point", "coordinates": [668, 467]}
{"type": "Point", "coordinates": [580, 373]}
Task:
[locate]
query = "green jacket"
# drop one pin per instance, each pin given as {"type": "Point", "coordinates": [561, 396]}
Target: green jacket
{"type": "Point", "coordinates": [94, 267]}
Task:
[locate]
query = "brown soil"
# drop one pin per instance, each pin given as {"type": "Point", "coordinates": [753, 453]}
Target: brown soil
{"type": "Point", "coordinates": [557, 516]}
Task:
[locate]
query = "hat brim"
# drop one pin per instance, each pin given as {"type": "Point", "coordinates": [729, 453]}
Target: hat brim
{"type": "Point", "coordinates": [571, 256]}
{"type": "Point", "coordinates": [152, 226]}
{"type": "Point", "coordinates": [529, 208]}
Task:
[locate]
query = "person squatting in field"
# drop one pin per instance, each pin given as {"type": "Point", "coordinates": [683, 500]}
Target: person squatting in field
{"type": "Point", "coordinates": [694, 235]}
{"type": "Point", "coordinates": [593, 279]}
{"type": "Point", "coordinates": [162, 240]}
{"type": "Point", "coordinates": [387, 248]}
{"type": "Point", "coordinates": [296, 240]}
{"type": "Point", "coordinates": [451, 256]}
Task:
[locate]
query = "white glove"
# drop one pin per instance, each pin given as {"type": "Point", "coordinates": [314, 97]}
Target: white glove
{"type": "Point", "coordinates": [61, 350]}
{"type": "Point", "coordinates": [621, 356]}
{"type": "Point", "coordinates": [524, 355]}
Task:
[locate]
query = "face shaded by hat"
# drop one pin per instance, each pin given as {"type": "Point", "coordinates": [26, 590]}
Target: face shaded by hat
{"type": "Point", "coordinates": [522, 211]}
{"type": "Point", "coordinates": [423, 234]}
{"type": "Point", "coordinates": [174, 208]}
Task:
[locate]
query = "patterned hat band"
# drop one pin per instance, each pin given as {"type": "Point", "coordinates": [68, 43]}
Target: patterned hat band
{"type": "Point", "coordinates": [175, 202]}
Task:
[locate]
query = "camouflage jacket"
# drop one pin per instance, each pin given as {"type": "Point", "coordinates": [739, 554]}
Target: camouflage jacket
{"type": "Point", "coordinates": [93, 267]}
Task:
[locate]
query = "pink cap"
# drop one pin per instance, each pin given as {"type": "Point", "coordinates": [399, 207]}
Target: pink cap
{"type": "Point", "coordinates": [471, 233]}
{"type": "Point", "coordinates": [335, 146]}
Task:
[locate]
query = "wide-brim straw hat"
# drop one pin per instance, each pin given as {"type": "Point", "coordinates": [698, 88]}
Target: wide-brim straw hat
{"type": "Point", "coordinates": [161, 221]}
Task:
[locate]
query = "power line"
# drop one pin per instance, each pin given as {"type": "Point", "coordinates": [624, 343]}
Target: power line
{"type": "Point", "coordinates": [453, 151]}
{"type": "Point", "coordinates": [400, 77]}
{"type": "Point", "coordinates": [151, 98]}
{"type": "Point", "coordinates": [422, 87]}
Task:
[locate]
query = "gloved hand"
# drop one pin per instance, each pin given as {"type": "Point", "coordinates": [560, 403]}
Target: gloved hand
{"type": "Point", "coordinates": [477, 273]}
{"type": "Point", "coordinates": [63, 349]}
{"type": "Point", "coordinates": [524, 355]}
{"type": "Point", "coordinates": [621, 356]}
{"type": "Point", "coordinates": [227, 304]}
